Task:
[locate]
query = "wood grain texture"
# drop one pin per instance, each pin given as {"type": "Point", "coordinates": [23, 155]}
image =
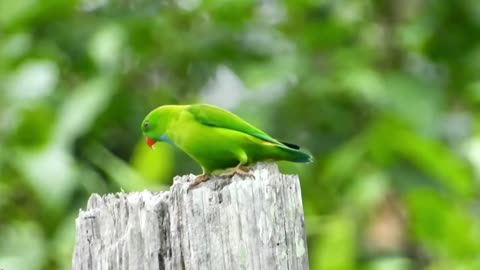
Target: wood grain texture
{"type": "Point", "coordinates": [237, 223]}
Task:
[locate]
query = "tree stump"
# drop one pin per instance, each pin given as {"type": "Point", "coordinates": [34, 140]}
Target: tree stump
{"type": "Point", "coordinates": [236, 223]}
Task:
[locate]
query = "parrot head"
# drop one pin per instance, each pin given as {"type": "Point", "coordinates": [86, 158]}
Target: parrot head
{"type": "Point", "coordinates": [155, 124]}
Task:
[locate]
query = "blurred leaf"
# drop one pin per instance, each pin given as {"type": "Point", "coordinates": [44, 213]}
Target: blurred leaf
{"type": "Point", "coordinates": [368, 189]}
{"type": "Point", "coordinates": [33, 80]}
{"type": "Point", "coordinates": [63, 241]}
{"type": "Point", "coordinates": [407, 98]}
{"type": "Point", "coordinates": [344, 163]}
{"type": "Point", "coordinates": [436, 160]}
{"type": "Point", "coordinates": [337, 248]}
{"type": "Point", "coordinates": [366, 84]}
{"type": "Point", "coordinates": [14, 10]}
{"type": "Point", "coordinates": [106, 46]}
{"type": "Point", "coordinates": [35, 127]}
{"type": "Point", "coordinates": [390, 263]}
{"type": "Point", "coordinates": [50, 171]}
{"type": "Point", "coordinates": [23, 246]}
{"type": "Point", "coordinates": [15, 46]}
{"type": "Point", "coordinates": [81, 108]}
{"type": "Point", "coordinates": [444, 226]}
{"type": "Point", "coordinates": [155, 166]}
{"type": "Point", "coordinates": [118, 171]}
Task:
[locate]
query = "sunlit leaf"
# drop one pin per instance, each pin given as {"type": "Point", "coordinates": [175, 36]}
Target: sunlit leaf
{"type": "Point", "coordinates": [33, 80]}
{"type": "Point", "coordinates": [154, 165]}
{"type": "Point", "coordinates": [106, 46]}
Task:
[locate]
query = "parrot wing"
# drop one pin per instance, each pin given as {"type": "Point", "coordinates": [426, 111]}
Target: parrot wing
{"type": "Point", "coordinates": [217, 117]}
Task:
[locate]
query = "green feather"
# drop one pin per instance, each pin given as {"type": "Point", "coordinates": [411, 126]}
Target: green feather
{"type": "Point", "coordinates": [215, 138]}
{"type": "Point", "coordinates": [216, 117]}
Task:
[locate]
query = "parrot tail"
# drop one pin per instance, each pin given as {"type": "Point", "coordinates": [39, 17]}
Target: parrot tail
{"type": "Point", "coordinates": [294, 155]}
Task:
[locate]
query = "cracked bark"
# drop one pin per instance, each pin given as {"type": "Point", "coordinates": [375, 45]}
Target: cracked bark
{"type": "Point", "coordinates": [237, 223]}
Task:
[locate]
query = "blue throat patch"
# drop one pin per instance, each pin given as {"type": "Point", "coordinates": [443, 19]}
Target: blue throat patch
{"type": "Point", "coordinates": [166, 139]}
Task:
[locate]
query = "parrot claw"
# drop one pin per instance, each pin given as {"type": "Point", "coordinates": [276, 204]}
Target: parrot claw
{"type": "Point", "coordinates": [199, 179]}
{"type": "Point", "coordinates": [239, 170]}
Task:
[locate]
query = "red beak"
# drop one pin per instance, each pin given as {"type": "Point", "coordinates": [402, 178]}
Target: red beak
{"type": "Point", "coordinates": [150, 142]}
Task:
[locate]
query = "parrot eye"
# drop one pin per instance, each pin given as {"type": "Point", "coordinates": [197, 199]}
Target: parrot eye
{"type": "Point", "coordinates": [146, 125]}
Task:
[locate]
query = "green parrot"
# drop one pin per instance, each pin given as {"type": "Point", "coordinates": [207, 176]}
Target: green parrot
{"type": "Point", "coordinates": [216, 139]}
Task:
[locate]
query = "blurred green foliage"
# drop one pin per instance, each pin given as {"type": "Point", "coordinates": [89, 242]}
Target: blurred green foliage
{"type": "Point", "coordinates": [384, 93]}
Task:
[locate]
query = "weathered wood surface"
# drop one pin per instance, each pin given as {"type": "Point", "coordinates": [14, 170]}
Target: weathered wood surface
{"type": "Point", "coordinates": [221, 224]}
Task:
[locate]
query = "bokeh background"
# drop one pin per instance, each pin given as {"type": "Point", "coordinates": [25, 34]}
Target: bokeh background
{"type": "Point", "coordinates": [384, 93]}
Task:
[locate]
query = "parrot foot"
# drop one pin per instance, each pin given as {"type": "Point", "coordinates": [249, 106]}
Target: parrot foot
{"type": "Point", "coordinates": [199, 179]}
{"type": "Point", "coordinates": [239, 170]}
